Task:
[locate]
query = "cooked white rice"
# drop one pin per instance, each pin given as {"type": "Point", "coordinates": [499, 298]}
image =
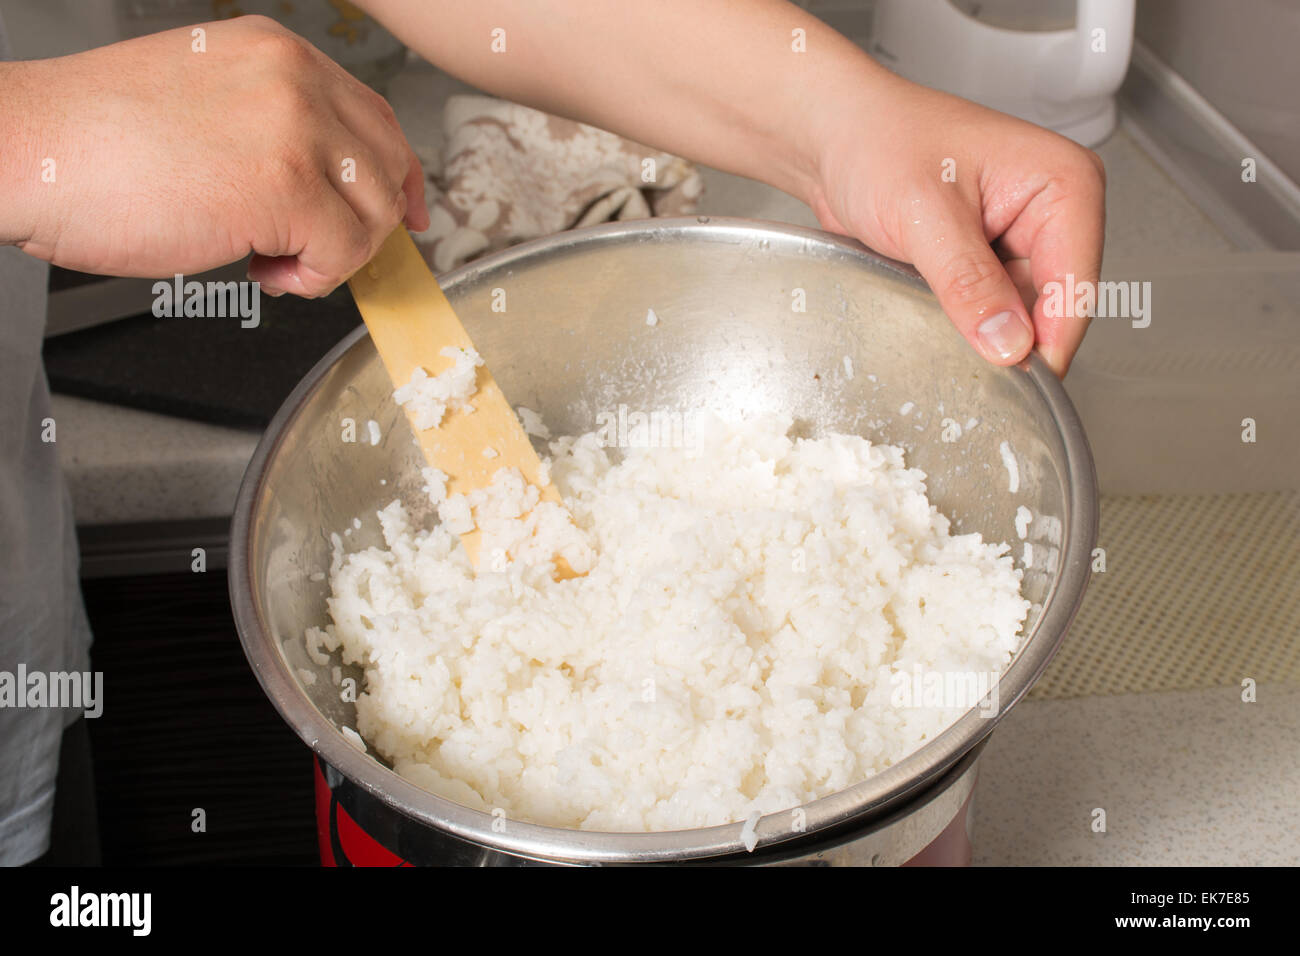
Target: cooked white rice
{"type": "Point", "coordinates": [427, 398]}
{"type": "Point", "coordinates": [732, 649]}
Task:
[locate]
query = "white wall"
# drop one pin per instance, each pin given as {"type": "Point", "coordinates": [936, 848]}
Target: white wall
{"type": "Point", "coordinates": [1241, 55]}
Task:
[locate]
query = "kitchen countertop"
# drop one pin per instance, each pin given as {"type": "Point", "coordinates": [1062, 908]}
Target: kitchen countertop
{"type": "Point", "coordinates": [1185, 777]}
{"type": "Point", "coordinates": [1195, 778]}
{"type": "Point", "coordinates": [127, 465]}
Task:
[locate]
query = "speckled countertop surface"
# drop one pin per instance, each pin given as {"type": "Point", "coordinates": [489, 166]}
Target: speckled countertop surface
{"type": "Point", "coordinates": [1184, 777]}
{"type": "Point", "coordinates": [127, 465]}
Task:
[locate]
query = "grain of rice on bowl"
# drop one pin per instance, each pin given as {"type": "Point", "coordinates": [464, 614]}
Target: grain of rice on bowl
{"type": "Point", "coordinates": [752, 604]}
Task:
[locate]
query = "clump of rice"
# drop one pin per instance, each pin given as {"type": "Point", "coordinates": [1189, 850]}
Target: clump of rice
{"type": "Point", "coordinates": [731, 650]}
{"type": "Point", "coordinates": [427, 398]}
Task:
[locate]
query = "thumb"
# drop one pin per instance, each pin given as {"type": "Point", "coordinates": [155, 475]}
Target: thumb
{"type": "Point", "coordinates": [973, 287]}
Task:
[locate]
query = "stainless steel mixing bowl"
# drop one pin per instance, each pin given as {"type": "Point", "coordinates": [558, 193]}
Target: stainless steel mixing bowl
{"type": "Point", "coordinates": [572, 342]}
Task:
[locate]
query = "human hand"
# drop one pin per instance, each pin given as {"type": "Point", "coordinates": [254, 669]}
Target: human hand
{"type": "Point", "coordinates": [169, 160]}
{"type": "Point", "coordinates": [1033, 196]}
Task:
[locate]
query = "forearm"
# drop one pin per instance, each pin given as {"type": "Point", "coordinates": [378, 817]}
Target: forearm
{"type": "Point", "coordinates": [716, 81]}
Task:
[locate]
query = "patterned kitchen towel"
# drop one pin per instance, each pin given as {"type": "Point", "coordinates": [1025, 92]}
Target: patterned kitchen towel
{"type": "Point", "coordinates": [508, 173]}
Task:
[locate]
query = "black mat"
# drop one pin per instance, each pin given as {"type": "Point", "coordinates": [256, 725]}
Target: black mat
{"type": "Point", "coordinates": [185, 726]}
{"type": "Point", "coordinates": [209, 369]}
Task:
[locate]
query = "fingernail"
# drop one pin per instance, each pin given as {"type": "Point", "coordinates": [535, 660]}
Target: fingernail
{"type": "Point", "coordinates": [1005, 335]}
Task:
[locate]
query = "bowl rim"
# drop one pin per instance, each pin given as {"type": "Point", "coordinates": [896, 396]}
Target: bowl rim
{"type": "Point", "coordinates": [861, 802]}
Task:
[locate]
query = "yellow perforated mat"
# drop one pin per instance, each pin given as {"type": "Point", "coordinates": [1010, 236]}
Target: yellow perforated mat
{"type": "Point", "coordinates": [1199, 591]}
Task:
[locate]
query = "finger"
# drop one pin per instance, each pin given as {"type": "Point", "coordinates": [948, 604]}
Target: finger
{"type": "Point", "coordinates": [1061, 232]}
{"type": "Point", "coordinates": [417, 211]}
{"type": "Point", "coordinates": [366, 182]}
{"type": "Point", "coordinates": [1022, 278]}
{"type": "Point", "coordinates": [335, 244]}
{"type": "Point", "coordinates": [275, 275]}
{"type": "Point", "coordinates": [949, 249]}
{"type": "Point", "coordinates": [371, 119]}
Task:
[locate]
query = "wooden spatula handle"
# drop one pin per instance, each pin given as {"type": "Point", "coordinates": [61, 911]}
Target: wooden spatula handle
{"type": "Point", "coordinates": [411, 322]}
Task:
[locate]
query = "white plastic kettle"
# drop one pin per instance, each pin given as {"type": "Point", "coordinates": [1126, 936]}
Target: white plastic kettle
{"type": "Point", "coordinates": [1064, 78]}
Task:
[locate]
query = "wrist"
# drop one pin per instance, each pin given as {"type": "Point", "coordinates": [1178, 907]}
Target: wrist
{"type": "Point", "coordinates": [844, 113]}
{"type": "Point", "coordinates": [28, 163]}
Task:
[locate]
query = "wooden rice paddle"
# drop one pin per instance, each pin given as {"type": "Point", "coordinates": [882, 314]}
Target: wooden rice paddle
{"type": "Point", "coordinates": [411, 322]}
